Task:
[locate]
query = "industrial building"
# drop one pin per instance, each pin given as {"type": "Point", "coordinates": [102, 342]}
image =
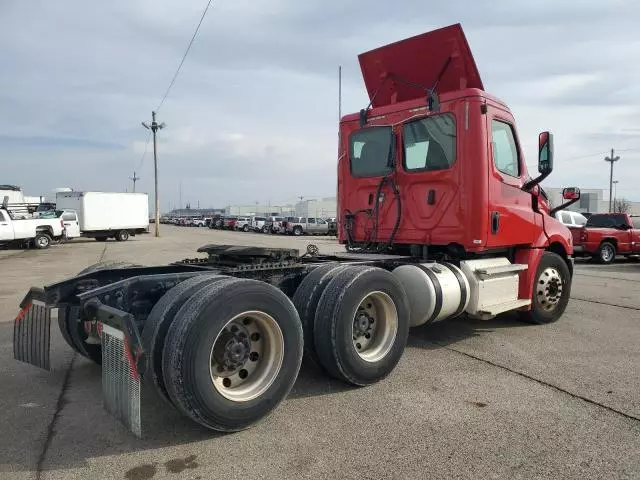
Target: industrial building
{"type": "Point", "coordinates": [592, 200]}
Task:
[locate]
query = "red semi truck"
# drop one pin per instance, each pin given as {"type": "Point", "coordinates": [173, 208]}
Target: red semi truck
{"type": "Point", "coordinates": [438, 215]}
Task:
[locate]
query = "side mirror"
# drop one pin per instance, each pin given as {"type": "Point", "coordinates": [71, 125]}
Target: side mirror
{"type": "Point", "coordinates": [572, 193]}
{"type": "Point", "coordinates": [545, 153]}
{"type": "Point", "coordinates": [545, 160]}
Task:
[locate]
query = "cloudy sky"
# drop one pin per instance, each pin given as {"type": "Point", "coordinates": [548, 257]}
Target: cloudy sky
{"type": "Point", "coordinates": [253, 114]}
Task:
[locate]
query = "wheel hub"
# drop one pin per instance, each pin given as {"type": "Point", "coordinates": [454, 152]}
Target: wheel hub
{"type": "Point", "coordinates": [246, 356]}
{"type": "Point", "coordinates": [549, 289]}
{"type": "Point", "coordinates": [362, 324]}
{"type": "Point", "coordinates": [375, 324]}
{"type": "Point", "coordinates": [231, 351]}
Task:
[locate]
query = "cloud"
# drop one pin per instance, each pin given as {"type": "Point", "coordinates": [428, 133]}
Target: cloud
{"type": "Point", "coordinates": [253, 114]}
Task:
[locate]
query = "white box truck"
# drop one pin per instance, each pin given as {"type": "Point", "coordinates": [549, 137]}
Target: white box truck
{"type": "Point", "coordinates": [103, 215]}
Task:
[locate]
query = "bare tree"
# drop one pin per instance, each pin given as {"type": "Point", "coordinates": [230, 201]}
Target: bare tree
{"type": "Point", "coordinates": [621, 205]}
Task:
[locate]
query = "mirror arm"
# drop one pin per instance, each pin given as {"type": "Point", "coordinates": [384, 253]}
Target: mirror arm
{"type": "Point", "coordinates": [532, 183]}
{"type": "Point", "coordinates": [563, 206]}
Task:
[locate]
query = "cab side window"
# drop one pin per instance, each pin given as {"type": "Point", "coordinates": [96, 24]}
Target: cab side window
{"type": "Point", "coordinates": [505, 152]}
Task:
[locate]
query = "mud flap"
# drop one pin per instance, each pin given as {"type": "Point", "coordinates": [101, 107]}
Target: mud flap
{"type": "Point", "coordinates": [120, 379]}
{"type": "Point", "coordinates": [32, 330]}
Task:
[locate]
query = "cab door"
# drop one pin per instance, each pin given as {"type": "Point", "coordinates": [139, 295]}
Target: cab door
{"type": "Point", "coordinates": [511, 217]}
{"type": "Point", "coordinates": [312, 226]}
{"type": "Point", "coordinates": [6, 228]}
{"type": "Point", "coordinates": [71, 224]}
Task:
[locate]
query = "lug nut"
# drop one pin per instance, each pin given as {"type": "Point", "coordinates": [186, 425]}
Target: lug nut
{"type": "Point", "coordinates": [254, 356]}
{"type": "Point", "coordinates": [226, 382]}
{"type": "Point", "coordinates": [243, 374]}
{"type": "Point", "coordinates": [255, 336]}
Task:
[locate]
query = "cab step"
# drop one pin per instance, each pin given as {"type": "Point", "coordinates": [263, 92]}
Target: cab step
{"type": "Point", "coordinates": [499, 270]}
{"type": "Point", "coordinates": [493, 310]}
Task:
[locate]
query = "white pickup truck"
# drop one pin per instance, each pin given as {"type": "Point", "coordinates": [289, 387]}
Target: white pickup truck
{"type": "Point", "coordinates": [40, 232]}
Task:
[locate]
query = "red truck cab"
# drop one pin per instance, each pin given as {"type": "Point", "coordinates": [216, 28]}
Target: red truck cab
{"type": "Point", "coordinates": [606, 235]}
{"type": "Point", "coordinates": [434, 163]}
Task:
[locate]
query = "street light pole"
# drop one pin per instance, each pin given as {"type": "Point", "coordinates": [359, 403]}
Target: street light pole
{"type": "Point", "coordinates": [154, 127]}
{"type": "Point", "coordinates": [611, 160]}
{"type": "Point", "coordinates": [615, 191]}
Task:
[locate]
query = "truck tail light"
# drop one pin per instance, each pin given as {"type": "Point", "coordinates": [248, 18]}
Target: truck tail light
{"type": "Point", "coordinates": [583, 235]}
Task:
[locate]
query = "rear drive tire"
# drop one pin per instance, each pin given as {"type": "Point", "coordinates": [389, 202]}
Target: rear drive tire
{"type": "Point", "coordinates": [606, 253]}
{"type": "Point", "coordinates": [42, 241]}
{"type": "Point", "coordinates": [245, 228]}
{"type": "Point", "coordinates": [158, 322]}
{"type": "Point", "coordinates": [361, 325]}
{"type": "Point", "coordinates": [122, 236]}
{"type": "Point", "coordinates": [306, 301]}
{"type": "Point", "coordinates": [232, 353]}
{"type": "Point", "coordinates": [297, 231]}
{"type": "Point", "coordinates": [551, 291]}
{"type": "Point", "coordinates": [73, 328]}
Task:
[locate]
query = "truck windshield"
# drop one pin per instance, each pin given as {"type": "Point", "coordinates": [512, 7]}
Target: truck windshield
{"type": "Point", "coordinates": [430, 143]}
{"type": "Point", "coordinates": [369, 152]}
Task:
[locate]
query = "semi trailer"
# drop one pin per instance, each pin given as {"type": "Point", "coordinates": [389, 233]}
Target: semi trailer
{"type": "Point", "coordinates": [437, 215]}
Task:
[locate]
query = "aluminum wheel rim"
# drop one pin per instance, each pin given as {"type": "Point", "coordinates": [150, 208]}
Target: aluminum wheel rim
{"type": "Point", "coordinates": [607, 253]}
{"type": "Point", "coordinates": [375, 326]}
{"type": "Point", "coordinates": [239, 373]}
{"type": "Point", "coordinates": [42, 241]}
{"type": "Point", "coordinates": [549, 289]}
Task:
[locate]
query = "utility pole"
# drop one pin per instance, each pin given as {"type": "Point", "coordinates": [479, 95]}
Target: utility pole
{"type": "Point", "coordinates": [615, 191]}
{"type": "Point", "coordinates": [611, 160]}
{"type": "Point", "coordinates": [135, 178]}
{"type": "Point", "coordinates": [154, 127]}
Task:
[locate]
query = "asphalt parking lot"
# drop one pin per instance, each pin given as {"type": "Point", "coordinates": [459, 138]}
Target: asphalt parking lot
{"type": "Point", "coordinates": [470, 399]}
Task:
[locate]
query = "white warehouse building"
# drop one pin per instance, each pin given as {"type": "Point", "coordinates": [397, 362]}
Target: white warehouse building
{"type": "Point", "coordinates": [322, 207]}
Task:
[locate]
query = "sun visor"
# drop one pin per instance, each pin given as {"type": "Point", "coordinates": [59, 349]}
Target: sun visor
{"type": "Point", "coordinates": [404, 70]}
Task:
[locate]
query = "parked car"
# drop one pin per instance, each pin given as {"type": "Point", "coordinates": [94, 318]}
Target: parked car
{"type": "Point", "coordinates": [243, 223]}
{"type": "Point", "coordinates": [287, 221]}
{"type": "Point", "coordinates": [310, 226]}
{"type": "Point", "coordinates": [606, 235]}
{"type": "Point", "coordinates": [574, 221]}
{"type": "Point", "coordinates": [199, 222]}
{"type": "Point", "coordinates": [217, 221]}
{"type": "Point", "coordinates": [272, 225]}
{"type": "Point", "coordinates": [229, 222]}
{"type": "Point", "coordinates": [257, 223]}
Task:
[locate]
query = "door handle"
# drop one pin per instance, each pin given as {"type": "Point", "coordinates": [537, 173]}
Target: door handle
{"type": "Point", "coordinates": [495, 222]}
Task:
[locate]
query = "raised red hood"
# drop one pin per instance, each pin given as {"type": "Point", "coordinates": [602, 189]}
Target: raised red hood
{"type": "Point", "coordinates": [420, 60]}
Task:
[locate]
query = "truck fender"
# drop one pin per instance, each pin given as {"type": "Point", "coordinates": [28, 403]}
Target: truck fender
{"type": "Point", "coordinates": [531, 257]}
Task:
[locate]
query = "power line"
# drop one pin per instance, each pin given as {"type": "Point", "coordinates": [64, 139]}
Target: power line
{"type": "Point", "coordinates": [173, 80]}
{"type": "Point", "coordinates": [146, 146]}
